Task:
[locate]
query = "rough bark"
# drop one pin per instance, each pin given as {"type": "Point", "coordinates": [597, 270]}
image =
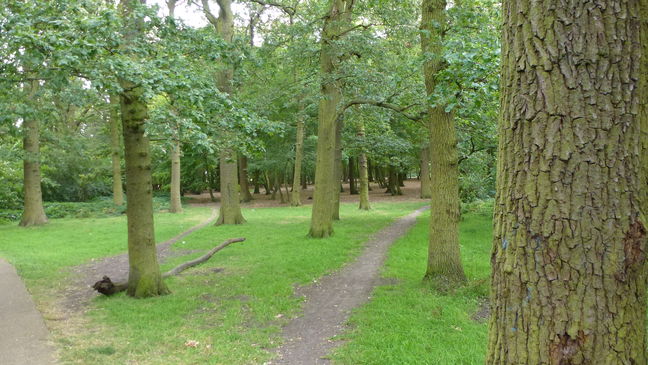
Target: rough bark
{"type": "Point", "coordinates": [33, 211]}
{"type": "Point", "coordinates": [244, 179]}
{"type": "Point", "coordinates": [230, 209]}
{"type": "Point", "coordinates": [115, 151]}
{"type": "Point", "coordinates": [569, 273]}
{"type": "Point", "coordinates": [425, 173]}
{"type": "Point", "coordinates": [144, 279]}
{"type": "Point", "coordinates": [176, 202]}
{"type": "Point", "coordinates": [444, 258]}
{"type": "Point", "coordinates": [325, 185]}
{"type": "Point", "coordinates": [295, 198]}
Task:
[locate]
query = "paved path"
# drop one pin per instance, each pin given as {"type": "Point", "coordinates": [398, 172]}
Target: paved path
{"type": "Point", "coordinates": [23, 335]}
{"type": "Point", "coordinates": [329, 302]}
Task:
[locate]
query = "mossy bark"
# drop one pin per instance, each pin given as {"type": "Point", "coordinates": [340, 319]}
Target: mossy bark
{"type": "Point", "coordinates": [326, 185]}
{"type": "Point", "coordinates": [115, 151]}
{"type": "Point", "coordinates": [444, 258]}
{"type": "Point", "coordinates": [295, 197]}
{"type": "Point", "coordinates": [425, 173]}
{"type": "Point", "coordinates": [569, 245]}
{"type": "Point", "coordinates": [176, 202]}
{"type": "Point", "coordinates": [144, 278]}
{"type": "Point", "coordinates": [246, 196]}
{"type": "Point", "coordinates": [33, 210]}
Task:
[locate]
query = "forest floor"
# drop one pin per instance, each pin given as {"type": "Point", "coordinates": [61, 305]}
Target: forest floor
{"type": "Point", "coordinates": [410, 193]}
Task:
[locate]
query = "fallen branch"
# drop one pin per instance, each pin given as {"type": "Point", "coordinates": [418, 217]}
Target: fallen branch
{"type": "Point", "coordinates": [105, 286]}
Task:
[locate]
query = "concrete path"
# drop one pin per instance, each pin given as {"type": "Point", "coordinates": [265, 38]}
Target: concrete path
{"type": "Point", "coordinates": [23, 335]}
{"type": "Point", "coordinates": [329, 302]}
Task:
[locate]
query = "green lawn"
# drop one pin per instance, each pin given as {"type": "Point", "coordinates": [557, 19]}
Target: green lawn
{"type": "Point", "coordinates": [233, 306]}
{"type": "Point", "coordinates": [407, 323]}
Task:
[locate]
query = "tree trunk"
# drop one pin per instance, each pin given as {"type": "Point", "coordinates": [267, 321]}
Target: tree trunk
{"type": "Point", "coordinates": [325, 173]}
{"type": "Point", "coordinates": [176, 202]}
{"type": "Point", "coordinates": [569, 245]}
{"type": "Point", "coordinates": [425, 173]}
{"type": "Point", "coordinates": [353, 188]}
{"type": "Point", "coordinates": [444, 258]}
{"type": "Point", "coordinates": [33, 212]}
{"type": "Point", "coordinates": [364, 183]}
{"type": "Point", "coordinates": [230, 209]}
{"type": "Point", "coordinates": [338, 169]}
{"type": "Point", "coordinates": [295, 198]}
{"type": "Point", "coordinates": [115, 151]}
{"type": "Point", "coordinates": [243, 179]}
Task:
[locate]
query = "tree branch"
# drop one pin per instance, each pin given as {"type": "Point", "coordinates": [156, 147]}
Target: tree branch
{"type": "Point", "coordinates": [382, 104]}
{"type": "Point", "coordinates": [106, 287]}
{"type": "Point", "coordinates": [289, 10]}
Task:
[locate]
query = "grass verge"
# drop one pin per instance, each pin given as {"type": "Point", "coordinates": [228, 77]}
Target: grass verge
{"type": "Point", "coordinates": [408, 323]}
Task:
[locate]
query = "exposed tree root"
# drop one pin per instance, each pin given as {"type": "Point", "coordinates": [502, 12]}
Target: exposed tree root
{"type": "Point", "coordinates": [105, 286]}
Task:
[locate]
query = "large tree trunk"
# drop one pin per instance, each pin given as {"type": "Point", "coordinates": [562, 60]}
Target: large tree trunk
{"type": "Point", "coordinates": [295, 197]}
{"type": "Point", "coordinates": [325, 173]}
{"type": "Point", "coordinates": [444, 259]}
{"type": "Point", "coordinates": [144, 279]}
{"type": "Point", "coordinates": [115, 151]}
{"type": "Point", "coordinates": [243, 179]}
{"type": "Point", "coordinates": [176, 202]}
{"type": "Point", "coordinates": [569, 245]}
{"type": "Point", "coordinates": [425, 173]}
{"type": "Point", "coordinates": [33, 212]}
{"type": "Point", "coordinates": [230, 209]}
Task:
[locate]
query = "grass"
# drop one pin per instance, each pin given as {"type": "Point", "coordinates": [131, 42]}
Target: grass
{"type": "Point", "coordinates": [233, 306]}
{"type": "Point", "coordinates": [407, 323]}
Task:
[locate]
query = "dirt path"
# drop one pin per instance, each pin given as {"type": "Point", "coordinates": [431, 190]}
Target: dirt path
{"type": "Point", "coordinates": [78, 294]}
{"type": "Point", "coordinates": [330, 301]}
{"type": "Point", "coordinates": [23, 335]}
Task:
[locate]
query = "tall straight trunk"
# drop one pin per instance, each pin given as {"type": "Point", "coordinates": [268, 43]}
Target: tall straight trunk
{"type": "Point", "coordinates": [325, 173]}
{"type": "Point", "coordinates": [176, 202]}
{"type": "Point", "coordinates": [370, 174]}
{"type": "Point", "coordinates": [33, 211]}
{"type": "Point", "coordinates": [115, 151]}
{"type": "Point", "coordinates": [425, 173]}
{"type": "Point", "coordinates": [295, 198]}
{"type": "Point", "coordinates": [257, 183]}
{"type": "Point", "coordinates": [338, 169]}
{"type": "Point", "coordinates": [364, 170]}
{"type": "Point", "coordinates": [444, 257]}
{"type": "Point", "coordinates": [230, 209]}
{"type": "Point", "coordinates": [569, 245]}
{"type": "Point", "coordinates": [243, 179]}
{"type": "Point", "coordinates": [643, 86]}
{"type": "Point", "coordinates": [353, 188]}
{"type": "Point", "coordinates": [144, 278]}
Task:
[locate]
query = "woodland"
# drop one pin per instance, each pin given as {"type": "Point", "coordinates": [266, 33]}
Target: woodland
{"type": "Point", "coordinates": [327, 181]}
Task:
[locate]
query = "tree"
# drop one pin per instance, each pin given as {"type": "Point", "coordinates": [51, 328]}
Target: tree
{"type": "Point", "coordinates": [33, 213]}
{"type": "Point", "coordinates": [115, 147]}
{"type": "Point", "coordinates": [144, 278]}
{"type": "Point", "coordinates": [444, 257]}
{"type": "Point", "coordinates": [230, 209]}
{"type": "Point", "coordinates": [568, 259]}
{"type": "Point", "coordinates": [337, 18]}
